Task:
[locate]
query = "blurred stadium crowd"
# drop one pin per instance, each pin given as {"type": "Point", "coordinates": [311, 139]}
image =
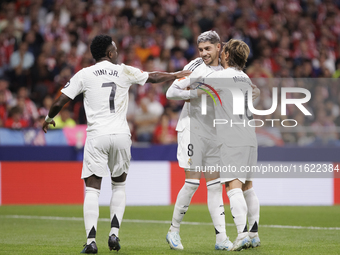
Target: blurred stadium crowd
{"type": "Point", "coordinates": [44, 42]}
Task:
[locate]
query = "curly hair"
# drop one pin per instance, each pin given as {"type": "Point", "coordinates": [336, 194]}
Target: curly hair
{"type": "Point", "coordinates": [99, 46]}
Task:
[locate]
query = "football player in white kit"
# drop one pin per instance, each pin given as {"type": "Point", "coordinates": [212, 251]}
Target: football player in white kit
{"type": "Point", "coordinates": [209, 48]}
{"type": "Point", "coordinates": [105, 88]}
{"type": "Point", "coordinates": [239, 147]}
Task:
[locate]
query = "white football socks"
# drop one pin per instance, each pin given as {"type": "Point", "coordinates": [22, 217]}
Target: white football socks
{"type": "Point", "coordinates": [253, 210]}
{"type": "Point", "coordinates": [216, 209]}
{"type": "Point", "coordinates": [182, 203]}
{"type": "Point", "coordinates": [238, 208]}
{"type": "Point", "coordinates": [117, 206]}
{"type": "Point", "coordinates": [91, 213]}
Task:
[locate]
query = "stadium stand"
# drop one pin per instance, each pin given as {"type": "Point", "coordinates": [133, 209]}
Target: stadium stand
{"type": "Point", "coordinates": [43, 43]}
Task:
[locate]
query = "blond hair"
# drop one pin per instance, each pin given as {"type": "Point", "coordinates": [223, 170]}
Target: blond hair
{"type": "Point", "coordinates": [238, 53]}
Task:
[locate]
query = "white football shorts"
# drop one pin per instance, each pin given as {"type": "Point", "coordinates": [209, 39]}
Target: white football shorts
{"type": "Point", "coordinates": [234, 162]}
{"type": "Point", "coordinates": [107, 151]}
{"type": "Point", "coordinates": [194, 151]}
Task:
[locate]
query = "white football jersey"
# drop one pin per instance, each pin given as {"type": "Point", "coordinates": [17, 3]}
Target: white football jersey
{"type": "Point", "coordinates": [237, 131]}
{"type": "Point", "coordinates": [105, 87]}
{"type": "Point", "coordinates": [199, 69]}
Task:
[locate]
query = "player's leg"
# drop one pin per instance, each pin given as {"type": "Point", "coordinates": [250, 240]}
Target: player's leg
{"type": "Point", "coordinates": [216, 210]}
{"type": "Point", "coordinates": [94, 168]}
{"type": "Point", "coordinates": [117, 203]}
{"type": "Point", "coordinates": [252, 201]}
{"type": "Point", "coordinates": [238, 208]}
{"type": "Point", "coordinates": [183, 200]}
{"type": "Point", "coordinates": [117, 208]}
{"type": "Point", "coordinates": [212, 161]}
{"type": "Point", "coordinates": [191, 184]}
{"type": "Point", "coordinates": [233, 158]}
{"type": "Point", "coordinates": [119, 163]}
{"type": "Point", "coordinates": [91, 212]}
{"type": "Point", "coordinates": [253, 206]}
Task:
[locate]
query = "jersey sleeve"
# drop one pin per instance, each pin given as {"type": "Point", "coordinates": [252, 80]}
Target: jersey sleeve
{"type": "Point", "coordinates": [74, 87]}
{"type": "Point", "coordinates": [182, 83]}
{"type": "Point", "coordinates": [193, 64]}
{"type": "Point", "coordinates": [177, 90]}
{"type": "Point", "coordinates": [176, 93]}
{"type": "Point", "coordinates": [135, 75]}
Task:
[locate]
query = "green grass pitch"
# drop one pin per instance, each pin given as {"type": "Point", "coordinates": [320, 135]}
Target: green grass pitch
{"type": "Point", "coordinates": [60, 230]}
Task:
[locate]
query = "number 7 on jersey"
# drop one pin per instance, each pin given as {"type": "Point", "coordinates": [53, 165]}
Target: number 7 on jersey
{"type": "Point", "coordinates": [112, 94]}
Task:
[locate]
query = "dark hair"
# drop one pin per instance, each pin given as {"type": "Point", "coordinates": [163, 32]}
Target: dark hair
{"type": "Point", "coordinates": [99, 46]}
{"type": "Point", "coordinates": [4, 78]}
{"type": "Point", "coordinates": [15, 110]}
{"type": "Point", "coordinates": [75, 34]}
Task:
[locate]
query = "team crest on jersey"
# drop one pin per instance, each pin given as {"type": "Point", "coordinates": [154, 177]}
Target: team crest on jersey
{"type": "Point", "coordinates": [189, 162]}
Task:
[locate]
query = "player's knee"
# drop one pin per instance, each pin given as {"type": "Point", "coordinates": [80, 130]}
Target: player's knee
{"type": "Point", "coordinates": [121, 178]}
{"type": "Point", "coordinates": [115, 185]}
{"type": "Point", "coordinates": [192, 184]}
{"type": "Point", "coordinates": [247, 185]}
{"type": "Point", "coordinates": [93, 182]}
{"type": "Point", "coordinates": [189, 174]}
{"type": "Point", "coordinates": [94, 191]}
{"type": "Point", "coordinates": [213, 185]}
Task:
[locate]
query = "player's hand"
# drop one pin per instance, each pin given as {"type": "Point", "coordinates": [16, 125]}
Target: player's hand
{"type": "Point", "coordinates": [200, 92]}
{"type": "Point", "coordinates": [256, 92]}
{"type": "Point", "coordinates": [197, 79]}
{"type": "Point", "coordinates": [181, 74]}
{"type": "Point", "coordinates": [188, 101]}
{"type": "Point", "coordinates": [45, 125]}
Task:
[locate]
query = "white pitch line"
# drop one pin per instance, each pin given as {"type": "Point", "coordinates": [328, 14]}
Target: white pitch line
{"type": "Point", "coordinates": [156, 221]}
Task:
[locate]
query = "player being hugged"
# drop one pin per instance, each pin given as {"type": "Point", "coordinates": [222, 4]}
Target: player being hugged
{"type": "Point", "coordinates": [197, 144]}
{"type": "Point", "coordinates": [105, 88]}
{"type": "Point", "coordinates": [209, 47]}
{"type": "Point", "coordinates": [239, 143]}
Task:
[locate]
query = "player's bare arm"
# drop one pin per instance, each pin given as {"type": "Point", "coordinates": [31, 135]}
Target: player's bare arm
{"type": "Point", "coordinates": [155, 77]}
{"type": "Point", "coordinates": [55, 109]}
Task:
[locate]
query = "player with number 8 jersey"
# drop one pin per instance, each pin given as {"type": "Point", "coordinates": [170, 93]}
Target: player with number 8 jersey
{"type": "Point", "coordinates": [105, 88]}
{"type": "Point", "coordinates": [196, 150]}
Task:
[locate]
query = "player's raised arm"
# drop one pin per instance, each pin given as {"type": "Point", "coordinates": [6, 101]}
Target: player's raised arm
{"type": "Point", "coordinates": [155, 77]}
{"type": "Point", "coordinates": [55, 109]}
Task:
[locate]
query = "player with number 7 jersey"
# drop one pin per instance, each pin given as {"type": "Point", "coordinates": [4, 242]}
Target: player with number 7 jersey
{"type": "Point", "coordinates": [105, 88]}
